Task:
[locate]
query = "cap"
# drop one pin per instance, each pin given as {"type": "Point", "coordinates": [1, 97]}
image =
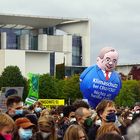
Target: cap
{"type": "Point", "coordinates": [23, 122]}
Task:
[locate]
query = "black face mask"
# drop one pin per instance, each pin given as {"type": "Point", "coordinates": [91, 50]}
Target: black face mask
{"type": "Point", "coordinates": [111, 117]}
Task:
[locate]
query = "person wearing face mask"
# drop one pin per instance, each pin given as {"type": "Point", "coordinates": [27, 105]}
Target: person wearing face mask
{"type": "Point", "coordinates": [14, 106]}
{"type": "Point", "coordinates": [23, 129]}
{"type": "Point", "coordinates": [6, 127]}
{"type": "Point", "coordinates": [67, 119]}
{"type": "Point", "coordinates": [83, 118]}
{"type": "Point", "coordinates": [106, 111]}
{"type": "Point", "coordinates": [47, 129]}
{"type": "Point", "coordinates": [37, 108]}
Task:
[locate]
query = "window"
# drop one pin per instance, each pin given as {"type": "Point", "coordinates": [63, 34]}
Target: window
{"type": "Point", "coordinates": [52, 63]}
{"type": "Point", "coordinates": [76, 50]}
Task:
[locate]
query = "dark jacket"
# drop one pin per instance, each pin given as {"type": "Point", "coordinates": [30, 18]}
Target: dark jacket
{"type": "Point", "coordinates": [2, 138]}
{"type": "Point", "coordinates": [92, 132]}
{"type": "Point", "coordinates": [38, 136]}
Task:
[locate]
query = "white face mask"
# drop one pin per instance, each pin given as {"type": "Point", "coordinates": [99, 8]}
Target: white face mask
{"type": "Point", "coordinates": [72, 119]}
{"type": "Point", "coordinates": [98, 122]}
{"type": "Point", "coordinates": [137, 112]}
{"type": "Point", "coordinates": [45, 134]}
{"type": "Point", "coordinates": [61, 114]}
{"type": "Point", "coordinates": [129, 118]}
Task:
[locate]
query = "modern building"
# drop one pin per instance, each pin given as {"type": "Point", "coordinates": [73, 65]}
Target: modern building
{"type": "Point", "coordinates": [129, 71]}
{"type": "Point", "coordinates": [37, 44]}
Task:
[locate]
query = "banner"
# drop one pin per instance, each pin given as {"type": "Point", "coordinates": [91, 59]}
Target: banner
{"type": "Point", "coordinates": [9, 91]}
{"type": "Point", "coordinates": [51, 102]}
{"type": "Point", "coordinates": [34, 89]}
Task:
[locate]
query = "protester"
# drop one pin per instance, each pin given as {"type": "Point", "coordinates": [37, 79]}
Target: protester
{"type": "Point", "coordinates": [67, 119]}
{"type": "Point", "coordinates": [80, 103]}
{"type": "Point", "coordinates": [6, 127]}
{"type": "Point", "coordinates": [37, 108]}
{"type": "Point", "coordinates": [44, 124]}
{"type": "Point", "coordinates": [133, 132]}
{"type": "Point", "coordinates": [75, 132]}
{"type": "Point", "coordinates": [110, 136]}
{"type": "Point", "coordinates": [47, 129]}
{"type": "Point", "coordinates": [83, 118]}
{"type": "Point", "coordinates": [33, 118]}
{"type": "Point", "coordinates": [106, 111]}
{"type": "Point", "coordinates": [44, 112]}
{"type": "Point", "coordinates": [23, 130]}
{"type": "Point", "coordinates": [14, 107]}
{"type": "Point", "coordinates": [108, 128]}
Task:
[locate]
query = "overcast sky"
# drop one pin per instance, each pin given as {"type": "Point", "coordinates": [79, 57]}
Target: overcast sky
{"type": "Point", "coordinates": [115, 23]}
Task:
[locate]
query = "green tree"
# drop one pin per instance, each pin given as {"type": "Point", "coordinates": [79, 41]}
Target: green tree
{"type": "Point", "coordinates": [137, 90]}
{"type": "Point", "coordinates": [71, 88]}
{"type": "Point", "coordinates": [129, 93]}
{"type": "Point", "coordinates": [60, 88]}
{"type": "Point", "coordinates": [47, 87]}
{"type": "Point", "coordinates": [12, 77]}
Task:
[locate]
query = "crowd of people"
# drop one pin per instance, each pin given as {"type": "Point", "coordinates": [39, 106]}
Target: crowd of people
{"type": "Point", "coordinates": [72, 122]}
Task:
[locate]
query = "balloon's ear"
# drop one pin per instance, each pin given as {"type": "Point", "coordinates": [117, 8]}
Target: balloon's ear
{"type": "Point", "coordinates": [99, 62]}
{"type": "Point", "coordinates": [98, 59]}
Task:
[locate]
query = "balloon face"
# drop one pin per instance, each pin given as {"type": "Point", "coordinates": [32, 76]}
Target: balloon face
{"type": "Point", "coordinates": [109, 61]}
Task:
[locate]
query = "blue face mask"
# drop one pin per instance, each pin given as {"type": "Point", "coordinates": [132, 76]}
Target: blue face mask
{"type": "Point", "coordinates": [111, 117]}
{"type": "Point", "coordinates": [25, 134]}
{"type": "Point", "coordinates": [38, 109]}
{"type": "Point", "coordinates": [18, 111]}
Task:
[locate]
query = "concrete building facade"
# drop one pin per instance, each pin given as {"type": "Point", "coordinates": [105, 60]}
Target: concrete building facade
{"type": "Point", "coordinates": [37, 44]}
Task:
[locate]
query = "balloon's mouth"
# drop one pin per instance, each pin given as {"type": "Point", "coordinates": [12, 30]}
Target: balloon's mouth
{"type": "Point", "coordinates": [109, 67]}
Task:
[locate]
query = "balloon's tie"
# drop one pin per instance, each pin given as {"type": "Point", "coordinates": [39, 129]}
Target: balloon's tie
{"type": "Point", "coordinates": [107, 76]}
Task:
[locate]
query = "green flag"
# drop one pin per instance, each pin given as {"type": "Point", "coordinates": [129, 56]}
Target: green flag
{"type": "Point", "coordinates": [34, 89]}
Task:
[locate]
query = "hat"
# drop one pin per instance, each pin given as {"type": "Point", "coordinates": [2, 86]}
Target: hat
{"type": "Point", "coordinates": [23, 122]}
{"type": "Point", "coordinates": [33, 118]}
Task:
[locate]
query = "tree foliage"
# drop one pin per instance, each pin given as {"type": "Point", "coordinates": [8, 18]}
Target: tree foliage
{"type": "Point", "coordinates": [53, 88]}
{"type": "Point", "coordinates": [71, 88]}
{"type": "Point", "coordinates": [129, 94]}
{"type": "Point", "coordinates": [12, 77]}
{"type": "Point", "coordinates": [47, 87]}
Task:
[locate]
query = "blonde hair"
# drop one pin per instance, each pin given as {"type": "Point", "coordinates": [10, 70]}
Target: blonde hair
{"type": "Point", "coordinates": [44, 112]}
{"type": "Point", "coordinates": [6, 120]}
{"type": "Point", "coordinates": [72, 132]}
{"type": "Point", "coordinates": [107, 128]}
{"type": "Point", "coordinates": [47, 123]}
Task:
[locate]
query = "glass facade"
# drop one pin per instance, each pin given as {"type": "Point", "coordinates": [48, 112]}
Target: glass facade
{"type": "Point", "coordinates": [13, 37]}
{"type": "Point", "coordinates": [49, 31]}
{"type": "Point", "coordinates": [77, 50]}
{"type": "Point", "coordinates": [74, 70]}
{"type": "Point", "coordinates": [52, 63]}
{"type": "Point", "coordinates": [33, 42]}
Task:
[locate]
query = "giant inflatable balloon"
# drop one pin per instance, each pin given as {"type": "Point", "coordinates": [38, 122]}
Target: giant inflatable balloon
{"type": "Point", "coordinates": [101, 81]}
